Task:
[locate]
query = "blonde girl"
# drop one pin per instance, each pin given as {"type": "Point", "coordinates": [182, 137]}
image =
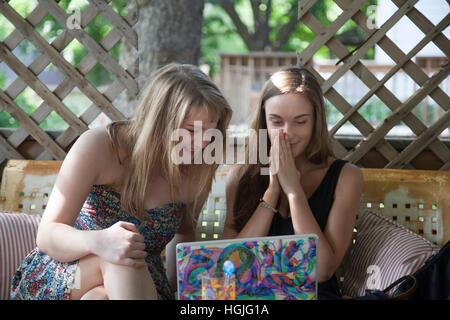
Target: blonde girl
{"type": "Point", "coordinates": [119, 199]}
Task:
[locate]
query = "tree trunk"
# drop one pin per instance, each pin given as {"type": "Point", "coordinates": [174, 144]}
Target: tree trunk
{"type": "Point", "coordinates": [168, 31]}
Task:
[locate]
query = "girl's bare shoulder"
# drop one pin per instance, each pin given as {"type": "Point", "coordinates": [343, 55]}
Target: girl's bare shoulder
{"type": "Point", "coordinates": [93, 148]}
{"type": "Point", "coordinates": [351, 175]}
{"type": "Point", "coordinates": [94, 143]}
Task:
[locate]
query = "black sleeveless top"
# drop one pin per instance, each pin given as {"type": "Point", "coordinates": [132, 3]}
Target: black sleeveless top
{"type": "Point", "coordinates": [320, 203]}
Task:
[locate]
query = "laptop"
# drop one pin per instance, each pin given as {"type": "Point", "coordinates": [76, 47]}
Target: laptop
{"type": "Point", "coordinates": [267, 268]}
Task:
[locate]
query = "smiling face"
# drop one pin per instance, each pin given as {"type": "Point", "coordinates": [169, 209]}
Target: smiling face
{"type": "Point", "coordinates": [292, 113]}
{"type": "Point", "coordinates": [197, 121]}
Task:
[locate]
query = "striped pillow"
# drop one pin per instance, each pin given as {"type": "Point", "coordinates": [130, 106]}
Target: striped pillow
{"type": "Point", "coordinates": [17, 238]}
{"type": "Point", "coordinates": [383, 252]}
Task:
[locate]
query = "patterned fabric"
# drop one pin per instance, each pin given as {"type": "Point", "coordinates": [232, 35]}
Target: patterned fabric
{"type": "Point", "coordinates": [17, 238]}
{"type": "Point", "coordinates": [41, 277]}
{"type": "Point", "coordinates": [384, 251]}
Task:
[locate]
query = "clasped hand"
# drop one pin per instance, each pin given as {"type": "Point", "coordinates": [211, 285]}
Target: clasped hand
{"type": "Point", "coordinates": [283, 172]}
{"type": "Point", "coordinates": [121, 244]}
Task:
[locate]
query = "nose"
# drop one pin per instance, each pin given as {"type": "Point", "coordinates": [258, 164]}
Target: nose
{"type": "Point", "coordinates": [197, 145]}
{"type": "Point", "coordinates": [288, 130]}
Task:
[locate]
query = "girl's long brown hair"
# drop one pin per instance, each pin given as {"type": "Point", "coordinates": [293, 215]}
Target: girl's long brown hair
{"type": "Point", "coordinates": [169, 95]}
{"type": "Point", "coordinates": [252, 184]}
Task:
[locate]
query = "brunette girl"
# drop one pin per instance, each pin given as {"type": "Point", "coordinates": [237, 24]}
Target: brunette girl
{"type": "Point", "coordinates": [310, 191]}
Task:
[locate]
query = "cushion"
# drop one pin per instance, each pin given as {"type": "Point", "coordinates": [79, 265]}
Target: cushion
{"type": "Point", "coordinates": [383, 252]}
{"type": "Point", "coordinates": [17, 238]}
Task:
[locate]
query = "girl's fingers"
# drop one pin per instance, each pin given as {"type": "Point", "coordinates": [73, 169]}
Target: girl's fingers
{"type": "Point", "coordinates": [138, 254]}
{"type": "Point", "coordinates": [282, 147]}
{"type": "Point", "coordinates": [273, 163]}
{"type": "Point", "coordinates": [274, 150]}
{"type": "Point", "coordinates": [137, 237]}
{"type": "Point", "coordinates": [139, 246]}
{"type": "Point", "coordinates": [286, 153]}
{"type": "Point", "coordinates": [128, 226]}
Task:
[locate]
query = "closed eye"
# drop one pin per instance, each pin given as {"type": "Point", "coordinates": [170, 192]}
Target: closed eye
{"type": "Point", "coordinates": [300, 122]}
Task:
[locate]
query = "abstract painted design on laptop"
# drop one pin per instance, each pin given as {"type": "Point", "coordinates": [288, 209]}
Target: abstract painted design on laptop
{"type": "Point", "coordinates": [266, 268]}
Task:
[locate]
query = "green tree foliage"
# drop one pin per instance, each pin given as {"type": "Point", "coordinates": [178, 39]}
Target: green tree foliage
{"type": "Point", "coordinates": [258, 25]}
{"type": "Point", "coordinates": [232, 26]}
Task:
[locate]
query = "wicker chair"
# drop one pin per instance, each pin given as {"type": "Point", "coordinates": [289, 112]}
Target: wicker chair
{"type": "Point", "coordinates": [416, 199]}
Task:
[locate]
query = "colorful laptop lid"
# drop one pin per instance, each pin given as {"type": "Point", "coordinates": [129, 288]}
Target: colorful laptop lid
{"type": "Point", "coordinates": [269, 268]}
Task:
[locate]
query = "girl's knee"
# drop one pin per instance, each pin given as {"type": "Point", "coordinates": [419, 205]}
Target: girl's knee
{"type": "Point", "coordinates": [97, 293]}
{"type": "Point", "coordinates": [87, 276]}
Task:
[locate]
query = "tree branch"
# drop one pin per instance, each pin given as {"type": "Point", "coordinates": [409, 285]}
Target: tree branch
{"type": "Point", "coordinates": [268, 10]}
{"type": "Point", "coordinates": [242, 29]}
{"type": "Point", "coordinates": [256, 13]}
{"type": "Point", "coordinates": [283, 34]}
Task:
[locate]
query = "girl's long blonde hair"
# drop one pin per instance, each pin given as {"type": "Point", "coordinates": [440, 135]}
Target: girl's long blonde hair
{"type": "Point", "coordinates": [168, 97]}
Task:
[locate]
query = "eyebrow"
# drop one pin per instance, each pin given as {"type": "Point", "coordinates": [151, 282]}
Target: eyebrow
{"type": "Point", "coordinates": [192, 125]}
{"type": "Point", "coordinates": [296, 117]}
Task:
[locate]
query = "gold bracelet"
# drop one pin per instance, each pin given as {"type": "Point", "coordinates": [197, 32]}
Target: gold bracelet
{"type": "Point", "coordinates": [265, 205]}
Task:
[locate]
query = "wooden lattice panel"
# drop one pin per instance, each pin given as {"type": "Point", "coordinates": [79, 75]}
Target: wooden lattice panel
{"type": "Point", "coordinates": [27, 184]}
{"type": "Point", "coordinates": [374, 138]}
{"type": "Point", "coordinates": [401, 111]}
{"type": "Point", "coordinates": [416, 199]}
{"type": "Point", "coordinates": [124, 79]}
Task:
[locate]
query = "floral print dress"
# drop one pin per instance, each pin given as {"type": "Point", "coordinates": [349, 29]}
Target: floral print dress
{"type": "Point", "coordinates": [41, 277]}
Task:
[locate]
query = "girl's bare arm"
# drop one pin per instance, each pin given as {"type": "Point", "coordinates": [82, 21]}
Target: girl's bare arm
{"type": "Point", "coordinates": [85, 165]}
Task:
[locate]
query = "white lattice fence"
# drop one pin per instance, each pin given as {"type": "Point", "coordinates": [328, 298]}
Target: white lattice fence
{"type": "Point", "coordinates": [401, 111]}
{"type": "Point", "coordinates": [75, 76]}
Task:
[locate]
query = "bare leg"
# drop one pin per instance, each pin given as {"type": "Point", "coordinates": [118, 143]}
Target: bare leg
{"type": "Point", "coordinates": [127, 283]}
{"type": "Point", "coordinates": [120, 282]}
{"type": "Point", "coordinates": [88, 276]}
{"type": "Point", "coordinates": [98, 293]}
